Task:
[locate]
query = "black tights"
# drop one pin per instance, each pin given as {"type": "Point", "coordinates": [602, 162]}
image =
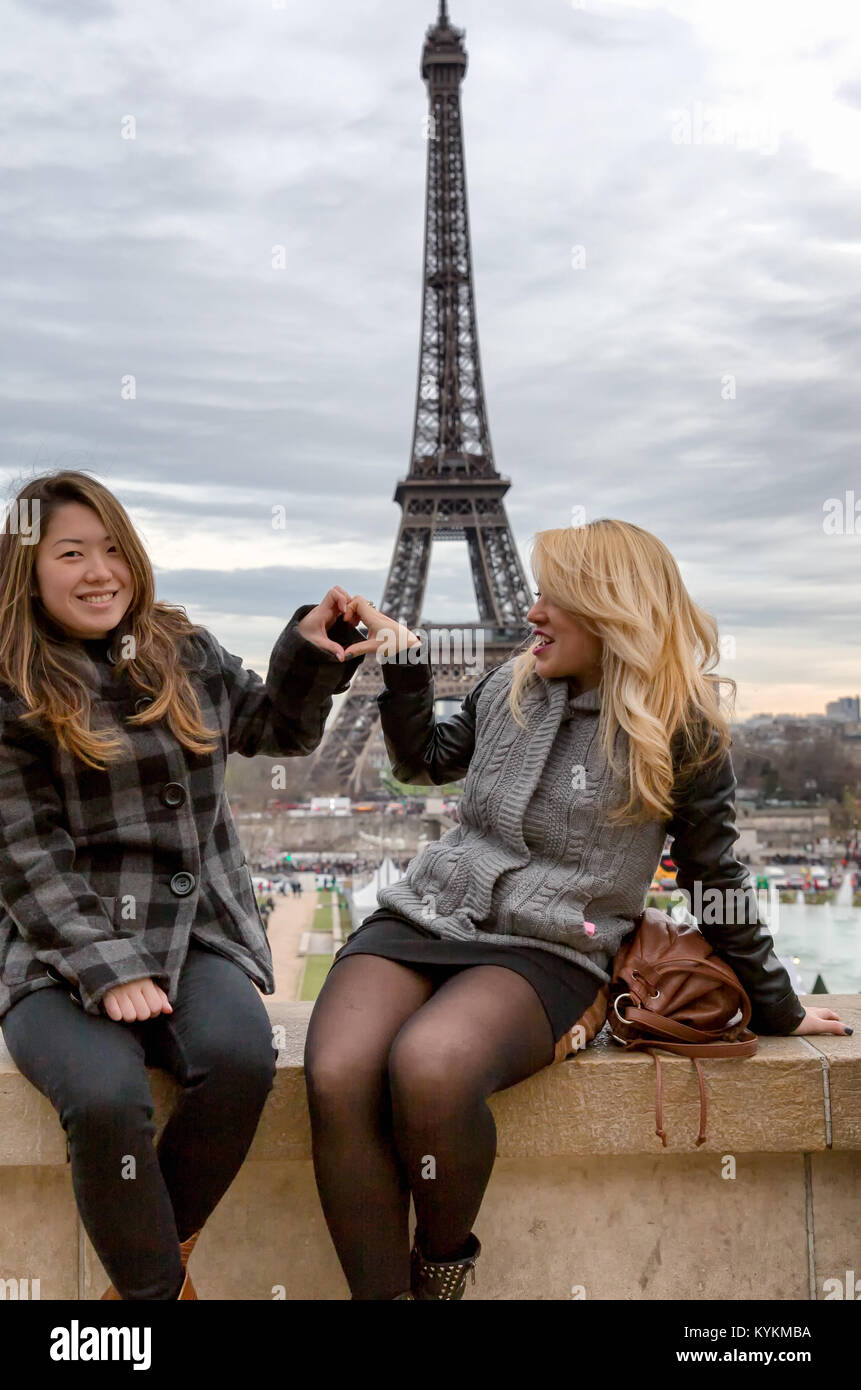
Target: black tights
{"type": "Point", "coordinates": [398, 1068]}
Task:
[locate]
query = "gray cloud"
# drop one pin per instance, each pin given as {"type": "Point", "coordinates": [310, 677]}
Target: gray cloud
{"type": "Point", "coordinates": [302, 128]}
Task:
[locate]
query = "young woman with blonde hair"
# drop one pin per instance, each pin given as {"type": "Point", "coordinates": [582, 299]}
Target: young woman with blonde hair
{"type": "Point", "coordinates": [579, 754]}
{"type": "Point", "coordinates": [129, 930]}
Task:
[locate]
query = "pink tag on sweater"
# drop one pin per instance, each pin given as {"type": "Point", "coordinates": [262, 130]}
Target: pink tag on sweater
{"type": "Point", "coordinates": [589, 928]}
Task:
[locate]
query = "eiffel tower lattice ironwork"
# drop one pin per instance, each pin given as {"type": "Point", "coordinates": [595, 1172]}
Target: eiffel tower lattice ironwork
{"type": "Point", "coordinates": [452, 490]}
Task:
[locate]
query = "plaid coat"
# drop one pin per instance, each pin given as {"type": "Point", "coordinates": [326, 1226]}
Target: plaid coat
{"type": "Point", "coordinates": [106, 876]}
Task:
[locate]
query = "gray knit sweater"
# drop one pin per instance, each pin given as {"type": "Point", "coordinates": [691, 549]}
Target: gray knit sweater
{"type": "Point", "coordinates": [531, 862]}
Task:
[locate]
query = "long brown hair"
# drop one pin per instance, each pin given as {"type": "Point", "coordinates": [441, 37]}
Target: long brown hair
{"type": "Point", "coordinates": [658, 653]}
{"type": "Point", "coordinates": [42, 665]}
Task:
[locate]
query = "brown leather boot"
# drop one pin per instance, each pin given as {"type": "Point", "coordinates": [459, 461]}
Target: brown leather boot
{"type": "Point", "coordinates": [187, 1291]}
{"type": "Point", "coordinates": [187, 1246]}
{"type": "Point", "coordinates": [443, 1278]}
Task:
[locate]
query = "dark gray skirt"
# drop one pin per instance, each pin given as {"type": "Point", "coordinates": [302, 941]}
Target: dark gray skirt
{"type": "Point", "coordinates": [565, 989]}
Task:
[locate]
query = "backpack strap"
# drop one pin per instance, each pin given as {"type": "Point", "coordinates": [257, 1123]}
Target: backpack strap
{"type": "Point", "coordinates": [659, 1096]}
{"type": "Point", "coordinates": [694, 1037]}
{"type": "Point", "coordinates": [745, 1047]}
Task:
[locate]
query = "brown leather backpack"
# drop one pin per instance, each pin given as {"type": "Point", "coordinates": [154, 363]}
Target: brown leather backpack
{"type": "Point", "coordinates": [670, 991]}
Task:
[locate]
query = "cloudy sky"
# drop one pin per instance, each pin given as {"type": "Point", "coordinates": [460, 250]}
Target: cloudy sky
{"type": "Point", "coordinates": [664, 203]}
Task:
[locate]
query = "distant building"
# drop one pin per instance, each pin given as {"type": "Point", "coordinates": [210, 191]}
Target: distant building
{"type": "Point", "coordinates": [847, 707]}
{"type": "Point", "coordinates": [788, 829]}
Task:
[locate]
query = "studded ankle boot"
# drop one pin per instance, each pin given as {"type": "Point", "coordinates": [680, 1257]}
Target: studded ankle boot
{"type": "Point", "coordinates": [443, 1278]}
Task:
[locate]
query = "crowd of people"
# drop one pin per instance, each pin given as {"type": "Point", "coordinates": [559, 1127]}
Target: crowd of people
{"type": "Point", "coordinates": [356, 868]}
{"type": "Point", "coordinates": [329, 872]}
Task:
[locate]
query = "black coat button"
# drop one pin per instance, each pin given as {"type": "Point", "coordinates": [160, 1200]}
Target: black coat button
{"type": "Point", "coordinates": [142, 703]}
{"type": "Point", "coordinates": [182, 884]}
{"type": "Point", "coordinates": [172, 794]}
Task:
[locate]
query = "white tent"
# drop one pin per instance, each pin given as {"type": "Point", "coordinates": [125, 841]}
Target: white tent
{"type": "Point", "coordinates": [364, 899]}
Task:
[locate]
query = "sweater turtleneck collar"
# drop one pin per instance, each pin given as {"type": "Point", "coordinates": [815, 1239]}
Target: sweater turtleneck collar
{"type": "Point", "coordinates": [94, 644]}
{"type": "Point", "coordinates": [586, 699]}
{"type": "Point", "coordinates": [561, 698]}
{"type": "Point", "coordinates": [104, 647]}
{"type": "Point", "coordinates": [559, 692]}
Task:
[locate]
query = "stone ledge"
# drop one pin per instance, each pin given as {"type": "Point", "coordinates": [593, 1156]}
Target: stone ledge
{"type": "Point", "coordinates": [796, 1095]}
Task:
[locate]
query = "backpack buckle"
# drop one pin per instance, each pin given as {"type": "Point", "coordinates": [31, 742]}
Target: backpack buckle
{"type": "Point", "coordinates": [616, 1004]}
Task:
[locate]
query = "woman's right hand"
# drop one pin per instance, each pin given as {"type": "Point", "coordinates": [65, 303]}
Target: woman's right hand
{"type": "Point", "coordinates": [138, 1000]}
{"type": "Point", "coordinates": [384, 634]}
{"type": "Point", "coordinates": [819, 1021]}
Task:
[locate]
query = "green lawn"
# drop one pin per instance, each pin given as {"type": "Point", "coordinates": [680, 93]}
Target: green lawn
{"type": "Point", "coordinates": [316, 970]}
{"type": "Point", "coordinates": [326, 897]}
{"type": "Point", "coordinates": [322, 919]}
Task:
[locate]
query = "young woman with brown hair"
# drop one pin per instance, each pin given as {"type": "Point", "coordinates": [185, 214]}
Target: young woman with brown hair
{"type": "Point", "coordinates": [129, 930]}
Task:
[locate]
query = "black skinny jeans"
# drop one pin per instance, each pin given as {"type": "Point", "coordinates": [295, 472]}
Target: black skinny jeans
{"type": "Point", "coordinates": [137, 1202]}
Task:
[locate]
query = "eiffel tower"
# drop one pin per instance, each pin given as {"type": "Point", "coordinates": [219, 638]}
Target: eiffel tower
{"type": "Point", "coordinates": [452, 491]}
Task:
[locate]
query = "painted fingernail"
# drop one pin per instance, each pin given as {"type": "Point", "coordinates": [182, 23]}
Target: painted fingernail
{"type": "Point", "coordinates": [589, 928]}
{"type": "Point", "coordinates": [847, 1029]}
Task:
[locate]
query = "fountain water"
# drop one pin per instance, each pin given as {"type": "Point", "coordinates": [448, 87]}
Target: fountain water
{"type": "Point", "coordinates": [823, 940]}
{"type": "Point", "coordinates": [844, 892]}
{"type": "Point", "coordinates": [844, 899]}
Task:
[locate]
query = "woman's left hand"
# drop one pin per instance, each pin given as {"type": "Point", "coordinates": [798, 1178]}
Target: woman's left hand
{"type": "Point", "coordinates": [314, 625]}
{"type": "Point", "coordinates": [819, 1021]}
{"type": "Point", "coordinates": [384, 634]}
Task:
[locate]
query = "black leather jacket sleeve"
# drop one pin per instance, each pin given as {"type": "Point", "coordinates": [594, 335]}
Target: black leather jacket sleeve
{"type": "Point", "coordinates": [704, 832]}
{"type": "Point", "coordinates": [424, 751]}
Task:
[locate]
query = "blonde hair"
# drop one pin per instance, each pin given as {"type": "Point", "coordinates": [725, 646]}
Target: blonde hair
{"type": "Point", "coordinates": [41, 665]}
{"type": "Point", "coordinates": [658, 653]}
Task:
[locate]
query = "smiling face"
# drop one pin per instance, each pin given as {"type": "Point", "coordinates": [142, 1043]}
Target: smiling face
{"type": "Point", "coordinates": [76, 558]}
{"type": "Point", "coordinates": [563, 647]}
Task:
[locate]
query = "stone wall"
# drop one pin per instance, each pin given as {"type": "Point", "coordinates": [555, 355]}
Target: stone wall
{"type": "Point", "coordinates": [584, 1202]}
